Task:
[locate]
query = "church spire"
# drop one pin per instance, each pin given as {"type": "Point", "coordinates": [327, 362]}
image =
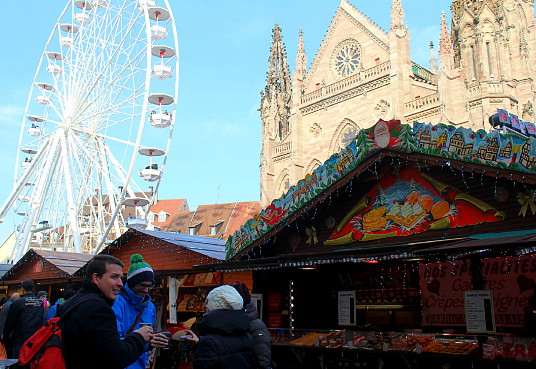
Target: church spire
{"type": "Point", "coordinates": [446, 53]}
{"type": "Point", "coordinates": [433, 59]}
{"type": "Point", "coordinates": [276, 96]}
{"type": "Point", "coordinates": [278, 76]}
{"type": "Point", "coordinates": [301, 60]}
{"type": "Point", "coordinates": [397, 15]}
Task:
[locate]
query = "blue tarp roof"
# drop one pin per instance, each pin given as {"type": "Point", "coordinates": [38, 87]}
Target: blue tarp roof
{"type": "Point", "coordinates": [4, 268]}
{"type": "Point", "coordinates": [211, 247]}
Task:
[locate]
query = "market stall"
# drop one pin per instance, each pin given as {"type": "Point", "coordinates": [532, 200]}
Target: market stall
{"type": "Point", "coordinates": [52, 271]}
{"type": "Point", "coordinates": [181, 281]}
{"type": "Point", "coordinates": [425, 231]}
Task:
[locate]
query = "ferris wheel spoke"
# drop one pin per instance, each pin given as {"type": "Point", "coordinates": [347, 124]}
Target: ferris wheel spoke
{"type": "Point", "coordinates": [103, 136]}
{"type": "Point", "coordinates": [101, 74]}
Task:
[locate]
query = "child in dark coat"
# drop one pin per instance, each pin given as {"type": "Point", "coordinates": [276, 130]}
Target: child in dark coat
{"type": "Point", "coordinates": [257, 328]}
{"type": "Point", "coordinates": [224, 341]}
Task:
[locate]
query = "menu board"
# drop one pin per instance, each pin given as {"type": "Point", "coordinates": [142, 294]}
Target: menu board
{"type": "Point", "coordinates": [347, 308]}
{"type": "Point", "coordinates": [479, 311]}
{"type": "Point", "coordinates": [256, 298]}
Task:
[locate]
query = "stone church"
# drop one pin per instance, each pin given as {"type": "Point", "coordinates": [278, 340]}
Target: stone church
{"type": "Point", "coordinates": [362, 73]}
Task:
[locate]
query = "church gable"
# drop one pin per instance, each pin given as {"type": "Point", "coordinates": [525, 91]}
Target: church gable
{"type": "Point", "coordinates": [352, 43]}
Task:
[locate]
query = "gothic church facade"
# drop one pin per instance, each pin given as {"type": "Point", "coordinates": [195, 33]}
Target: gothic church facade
{"type": "Point", "coordinates": [362, 73]}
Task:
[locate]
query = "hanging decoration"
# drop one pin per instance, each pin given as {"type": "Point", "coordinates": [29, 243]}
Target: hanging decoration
{"type": "Point", "coordinates": [311, 236]}
{"type": "Point", "coordinates": [407, 204]}
{"type": "Point", "coordinates": [526, 202]}
{"type": "Point", "coordinates": [294, 241]}
{"type": "Point", "coordinates": [329, 222]}
{"type": "Point", "coordinates": [501, 194]}
{"type": "Point", "coordinates": [508, 150]}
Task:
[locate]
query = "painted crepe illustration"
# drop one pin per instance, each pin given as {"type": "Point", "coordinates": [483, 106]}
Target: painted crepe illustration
{"type": "Point", "coordinates": [410, 203]}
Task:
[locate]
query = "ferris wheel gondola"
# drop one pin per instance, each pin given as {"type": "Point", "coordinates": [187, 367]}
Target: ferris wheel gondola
{"type": "Point", "coordinates": [85, 124]}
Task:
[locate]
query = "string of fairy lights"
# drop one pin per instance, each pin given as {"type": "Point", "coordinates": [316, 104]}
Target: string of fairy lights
{"type": "Point", "coordinates": [458, 168]}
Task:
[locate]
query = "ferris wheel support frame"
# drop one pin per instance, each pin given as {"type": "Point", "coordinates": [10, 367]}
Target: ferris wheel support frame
{"type": "Point", "coordinates": [36, 199]}
{"type": "Point", "coordinates": [22, 182]}
{"type": "Point", "coordinates": [72, 206]}
{"type": "Point", "coordinates": [109, 185]}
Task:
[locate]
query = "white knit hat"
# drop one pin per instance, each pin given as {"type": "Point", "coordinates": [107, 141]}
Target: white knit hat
{"type": "Point", "coordinates": [224, 297]}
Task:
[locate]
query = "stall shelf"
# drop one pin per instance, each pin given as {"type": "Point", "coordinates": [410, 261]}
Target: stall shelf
{"type": "Point", "coordinates": [355, 349]}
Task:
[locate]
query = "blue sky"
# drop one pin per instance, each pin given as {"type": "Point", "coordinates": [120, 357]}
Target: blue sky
{"type": "Point", "coordinates": [224, 49]}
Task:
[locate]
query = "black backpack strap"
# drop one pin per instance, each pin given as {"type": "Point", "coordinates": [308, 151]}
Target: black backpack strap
{"type": "Point", "coordinates": [83, 298]}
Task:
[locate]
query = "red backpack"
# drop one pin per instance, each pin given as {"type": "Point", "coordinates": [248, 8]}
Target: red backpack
{"type": "Point", "coordinates": [44, 350]}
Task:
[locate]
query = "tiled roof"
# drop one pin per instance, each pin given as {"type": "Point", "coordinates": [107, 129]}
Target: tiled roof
{"type": "Point", "coordinates": [242, 212]}
{"type": "Point", "coordinates": [227, 217]}
{"type": "Point", "coordinates": [171, 207]}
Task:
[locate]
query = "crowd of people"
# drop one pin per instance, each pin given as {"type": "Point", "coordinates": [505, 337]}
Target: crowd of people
{"type": "Point", "coordinates": [109, 324]}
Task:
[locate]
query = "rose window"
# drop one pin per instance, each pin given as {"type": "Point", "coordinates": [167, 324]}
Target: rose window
{"type": "Point", "coordinates": [347, 58]}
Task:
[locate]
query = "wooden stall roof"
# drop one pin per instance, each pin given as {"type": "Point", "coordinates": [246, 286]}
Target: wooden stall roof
{"type": "Point", "coordinates": [302, 226]}
{"type": "Point", "coordinates": [166, 251]}
{"type": "Point", "coordinates": [45, 264]}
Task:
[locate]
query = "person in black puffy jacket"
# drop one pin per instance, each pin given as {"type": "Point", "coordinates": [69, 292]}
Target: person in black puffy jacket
{"type": "Point", "coordinates": [224, 341]}
{"type": "Point", "coordinates": [257, 328]}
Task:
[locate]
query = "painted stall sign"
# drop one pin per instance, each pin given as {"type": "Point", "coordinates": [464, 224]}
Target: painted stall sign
{"type": "Point", "coordinates": [493, 149]}
{"type": "Point", "coordinates": [512, 281]}
{"type": "Point", "coordinates": [410, 203]}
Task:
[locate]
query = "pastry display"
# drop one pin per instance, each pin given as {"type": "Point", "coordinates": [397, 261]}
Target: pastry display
{"type": "Point", "coordinates": [416, 343]}
{"type": "Point", "coordinates": [333, 339]}
{"type": "Point", "coordinates": [450, 347]}
{"type": "Point", "coordinates": [308, 339]}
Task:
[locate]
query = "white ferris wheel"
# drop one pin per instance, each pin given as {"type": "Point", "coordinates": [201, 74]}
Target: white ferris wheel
{"type": "Point", "coordinates": [100, 114]}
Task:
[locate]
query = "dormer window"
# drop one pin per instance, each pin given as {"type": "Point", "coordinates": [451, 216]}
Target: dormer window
{"type": "Point", "coordinates": [194, 229]}
{"type": "Point", "coordinates": [151, 217]}
{"type": "Point", "coordinates": [215, 227]}
{"type": "Point", "coordinates": [162, 216]}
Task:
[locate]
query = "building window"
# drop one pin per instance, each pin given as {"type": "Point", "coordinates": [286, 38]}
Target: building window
{"type": "Point", "coordinates": [215, 228]}
{"type": "Point", "coordinates": [490, 66]}
{"type": "Point", "coordinates": [150, 217]}
{"type": "Point", "coordinates": [162, 217]}
{"type": "Point", "coordinates": [191, 231]}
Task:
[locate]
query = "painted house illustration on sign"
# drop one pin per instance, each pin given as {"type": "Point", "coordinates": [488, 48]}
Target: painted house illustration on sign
{"type": "Point", "coordinates": [494, 149]}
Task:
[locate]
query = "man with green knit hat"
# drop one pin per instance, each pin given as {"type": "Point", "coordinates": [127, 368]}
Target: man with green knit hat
{"type": "Point", "coordinates": [133, 306]}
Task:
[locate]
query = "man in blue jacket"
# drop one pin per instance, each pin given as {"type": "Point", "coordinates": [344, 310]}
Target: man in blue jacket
{"type": "Point", "coordinates": [53, 311]}
{"type": "Point", "coordinates": [133, 306]}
